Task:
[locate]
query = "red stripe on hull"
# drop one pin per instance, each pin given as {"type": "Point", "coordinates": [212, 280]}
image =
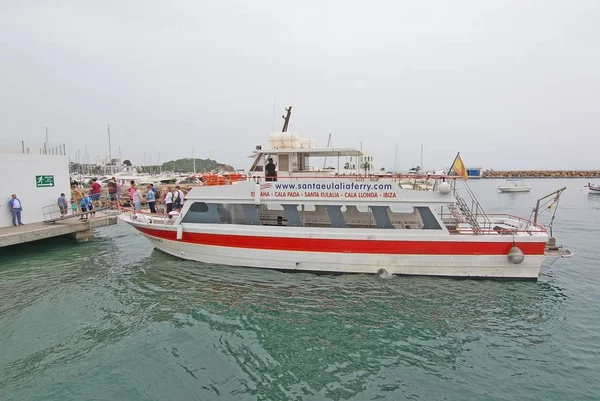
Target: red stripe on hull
{"type": "Point", "coordinates": [350, 245]}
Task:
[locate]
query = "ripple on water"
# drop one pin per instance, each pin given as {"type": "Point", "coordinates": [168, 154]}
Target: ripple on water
{"type": "Point", "coordinates": [113, 319]}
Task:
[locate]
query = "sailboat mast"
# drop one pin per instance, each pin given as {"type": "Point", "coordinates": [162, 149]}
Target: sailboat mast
{"type": "Point", "coordinates": [193, 158]}
{"type": "Point", "coordinates": [109, 148]}
{"type": "Point", "coordinates": [422, 169]}
{"type": "Point", "coordinates": [396, 159]}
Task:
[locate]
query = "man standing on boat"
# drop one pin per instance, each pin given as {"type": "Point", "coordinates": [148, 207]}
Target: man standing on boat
{"type": "Point", "coordinates": [168, 201]}
{"type": "Point", "coordinates": [270, 171]}
{"type": "Point", "coordinates": [16, 207]}
{"type": "Point", "coordinates": [177, 199]}
{"type": "Point", "coordinates": [151, 198]}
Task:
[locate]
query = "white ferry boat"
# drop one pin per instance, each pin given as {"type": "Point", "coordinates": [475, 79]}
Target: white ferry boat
{"type": "Point", "coordinates": [316, 221]}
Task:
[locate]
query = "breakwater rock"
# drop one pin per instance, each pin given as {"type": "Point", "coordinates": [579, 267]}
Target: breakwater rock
{"type": "Point", "coordinates": [542, 174]}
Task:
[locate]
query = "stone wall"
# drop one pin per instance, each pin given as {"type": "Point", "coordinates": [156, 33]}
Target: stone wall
{"type": "Point", "coordinates": [543, 174]}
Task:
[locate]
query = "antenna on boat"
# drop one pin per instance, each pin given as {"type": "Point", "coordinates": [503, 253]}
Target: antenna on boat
{"type": "Point", "coordinates": [286, 119]}
{"type": "Point", "coordinates": [328, 144]}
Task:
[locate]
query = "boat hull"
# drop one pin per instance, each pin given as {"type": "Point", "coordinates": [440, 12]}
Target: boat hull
{"type": "Point", "coordinates": [404, 257]}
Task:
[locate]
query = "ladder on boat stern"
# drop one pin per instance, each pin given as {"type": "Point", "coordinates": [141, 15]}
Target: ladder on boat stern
{"type": "Point", "coordinates": [468, 215]}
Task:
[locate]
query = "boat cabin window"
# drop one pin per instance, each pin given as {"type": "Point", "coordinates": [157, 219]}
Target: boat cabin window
{"type": "Point", "coordinates": [201, 212]}
{"type": "Point", "coordinates": [333, 216]}
{"type": "Point", "coordinates": [429, 220]}
{"type": "Point", "coordinates": [382, 218]}
{"type": "Point", "coordinates": [293, 217]}
{"type": "Point", "coordinates": [216, 213]}
{"type": "Point", "coordinates": [336, 217]}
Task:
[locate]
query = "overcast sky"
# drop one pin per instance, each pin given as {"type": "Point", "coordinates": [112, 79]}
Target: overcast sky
{"type": "Point", "coordinates": [510, 84]}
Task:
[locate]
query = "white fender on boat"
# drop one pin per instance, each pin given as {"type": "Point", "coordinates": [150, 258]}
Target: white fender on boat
{"type": "Point", "coordinates": [444, 188]}
{"type": "Point", "coordinates": [515, 255]}
{"type": "Point", "coordinates": [179, 232]}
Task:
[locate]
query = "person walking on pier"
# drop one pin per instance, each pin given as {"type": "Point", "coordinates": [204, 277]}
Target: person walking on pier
{"type": "Point", "coordinates": [76, 195]}
{"type": "Point", "coordinates": [96, 190]}
{"type": "Point", "coordinates": [62, 205]}
{"type": "Point", "coordinates": [84, 204]}
{"type": "Point", "coordinates": [16, 207]}
{"type": "Point", "coordinates": [112, 191]}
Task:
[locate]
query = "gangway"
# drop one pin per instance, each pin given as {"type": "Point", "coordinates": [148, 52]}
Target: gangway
{"type": "Point", "coordinates": [52, 213]}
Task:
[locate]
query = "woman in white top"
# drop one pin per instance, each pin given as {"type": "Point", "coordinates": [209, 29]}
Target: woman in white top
{"type": "Point", "coordinates": [169, 200]}
{"type": "Point", "coordinates": [137, 198]}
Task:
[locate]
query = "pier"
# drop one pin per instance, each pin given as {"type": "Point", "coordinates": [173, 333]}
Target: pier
{"type": "Point", "coordinates": [542, 174]}
{"type": "Point", "coordinates": [80, 230]}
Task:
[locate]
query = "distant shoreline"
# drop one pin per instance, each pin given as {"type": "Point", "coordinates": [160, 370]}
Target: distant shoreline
{"type": "Point", "coordinates": [542, 174]}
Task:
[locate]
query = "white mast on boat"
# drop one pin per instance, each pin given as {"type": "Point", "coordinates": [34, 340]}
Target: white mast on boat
{"type": "Point", "coordinates": [421, 165]}
{"type": "Point", "coordinates": [109, 149]}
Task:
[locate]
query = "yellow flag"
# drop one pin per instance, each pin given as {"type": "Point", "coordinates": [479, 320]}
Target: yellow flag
{"type": "Point", "coordinates": [459, 167]}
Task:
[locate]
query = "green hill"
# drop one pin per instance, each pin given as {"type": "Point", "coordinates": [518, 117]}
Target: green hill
{"type": "Point", "coordinates": [187, 165]}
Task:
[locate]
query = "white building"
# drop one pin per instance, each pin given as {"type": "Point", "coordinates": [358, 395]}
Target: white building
{"type": "Point", "coordinates": [359, 164]}
{"type": "Point", "coordinates": [37, 178]}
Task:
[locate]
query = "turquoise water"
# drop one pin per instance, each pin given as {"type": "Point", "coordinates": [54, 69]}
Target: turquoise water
{"type": "Point", "coordinates": [115, 320]}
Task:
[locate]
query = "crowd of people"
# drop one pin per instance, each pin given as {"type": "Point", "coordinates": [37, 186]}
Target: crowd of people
{"type": "Point", "coordinates": [82, 201]}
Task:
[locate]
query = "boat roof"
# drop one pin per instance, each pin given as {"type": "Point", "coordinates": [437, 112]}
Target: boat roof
{"type": "Point", "coordinates": [320, 152]}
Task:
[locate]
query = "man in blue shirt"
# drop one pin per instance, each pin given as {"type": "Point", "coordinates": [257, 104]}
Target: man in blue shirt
{"type": "Point", "coordinates": [151, 198]}
{"type": "Point", "coordinates": [16, 207]}
{"type": "Point", "coordinates": [62, 205]}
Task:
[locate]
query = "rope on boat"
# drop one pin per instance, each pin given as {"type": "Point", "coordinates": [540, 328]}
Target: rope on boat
{"type": "Point", "coordinates": [547, 267]}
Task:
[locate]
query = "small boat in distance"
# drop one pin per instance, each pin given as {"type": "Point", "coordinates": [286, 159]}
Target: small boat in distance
{"type": "Point", "coordinates": [514, 185]}
{"type": "Point", "coordinates": [594, 188]}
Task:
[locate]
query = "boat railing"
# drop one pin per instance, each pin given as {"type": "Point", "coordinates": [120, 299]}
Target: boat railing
{"type": "Point", "coordinates": [502, 223]}
{"type": "Point", "coordinates": [148, 217]}
{"type": "Point", "coordinates": [357, 177]}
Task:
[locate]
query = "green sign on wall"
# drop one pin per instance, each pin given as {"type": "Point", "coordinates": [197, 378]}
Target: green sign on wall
{"type": "Point", "coordinates": [44, 181]}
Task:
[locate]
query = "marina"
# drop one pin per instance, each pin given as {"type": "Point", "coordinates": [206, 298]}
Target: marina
{"type": "Point", "coordinates": [80, 231]}
{"type": "Point", "coordinates": [424, 228]}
